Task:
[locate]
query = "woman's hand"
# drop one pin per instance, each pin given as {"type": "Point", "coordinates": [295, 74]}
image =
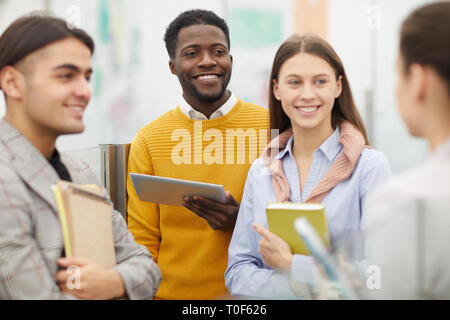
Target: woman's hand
{"type": "Point", "coordinates": [275, 252]}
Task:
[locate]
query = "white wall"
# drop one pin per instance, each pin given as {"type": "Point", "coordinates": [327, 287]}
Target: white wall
{"type": "Point", "coordinates": [12, 9]}
{"type": "Point", "coordinates": [365, 35]}
{"type": "Point", "coordinates": [9, 11]}
{"type": "Point", "coordinates": [392, 135]}
{"type": "Point", "coordinates": [349, 35]}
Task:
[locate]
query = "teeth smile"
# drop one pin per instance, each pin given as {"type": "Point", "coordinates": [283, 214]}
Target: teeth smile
{"type": "Point", "coordinates": [207, 76]}
{"type": "Point", "coordinates": [308, 109]}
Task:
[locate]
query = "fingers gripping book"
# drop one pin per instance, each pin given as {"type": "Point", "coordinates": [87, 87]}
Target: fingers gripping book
{"type": "Point", "coordinates": [86, 221]}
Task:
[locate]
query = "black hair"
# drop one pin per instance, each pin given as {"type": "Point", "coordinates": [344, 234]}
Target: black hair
{"type": "Point", "coordinates": [189, 18]}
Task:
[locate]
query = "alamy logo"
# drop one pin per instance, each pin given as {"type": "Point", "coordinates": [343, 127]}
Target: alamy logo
{"type": "Point", "coordinates": [74, 280]}
{"type": "Point", "coordinates": [373, 17]}
{"type": "Point", "coordinates": [73, 17]}
{"type": "Point", "coordinates": [230, 148]}
{"type": "Point", "coordinates": [373, 281]}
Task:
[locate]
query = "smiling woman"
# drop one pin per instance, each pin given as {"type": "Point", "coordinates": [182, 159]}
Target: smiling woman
{"type": "Point", "coordinates": [321, 156]}
{"type": "Point", "coordinates": [325, 67]}
{"type": "Point", "coordinates": [307, 88]}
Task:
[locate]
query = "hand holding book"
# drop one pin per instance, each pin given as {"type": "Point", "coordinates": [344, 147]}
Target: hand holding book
{"type": "Point", "coordinates": [86, 222]}
{"type": "Point", "coordinates": [281, 217]}
{"type": "Point", "coordinates": [275, 252]}
{"type": "Point", "coordinates": [94, 282]}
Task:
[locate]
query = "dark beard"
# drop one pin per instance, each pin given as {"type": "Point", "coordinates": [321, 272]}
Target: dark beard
{"type": "Point", "coordinates": [210, 97]}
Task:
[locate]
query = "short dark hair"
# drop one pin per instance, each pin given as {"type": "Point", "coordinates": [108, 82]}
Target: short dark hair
{"type": "Point", "coordinates": [425, 39]}
{"type": "Point", "coordinates": [34, 31]}
{"type": "Point", "coordinates": [189, 18]}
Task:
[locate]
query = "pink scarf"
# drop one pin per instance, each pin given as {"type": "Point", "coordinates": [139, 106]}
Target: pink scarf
{"type": "Point", "coordinates": [351, 139]}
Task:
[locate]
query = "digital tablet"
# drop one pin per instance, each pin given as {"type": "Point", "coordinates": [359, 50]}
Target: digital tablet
{"type": "Point", "coordinates": [171, 191]}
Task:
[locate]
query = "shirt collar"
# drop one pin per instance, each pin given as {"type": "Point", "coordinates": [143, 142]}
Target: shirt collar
{"type": "Point", "coordinates": [330, 147]}
{"type": "Point", "coordinates": [191, 113]}
{"type": "Point", "coordinates": [288, 148]}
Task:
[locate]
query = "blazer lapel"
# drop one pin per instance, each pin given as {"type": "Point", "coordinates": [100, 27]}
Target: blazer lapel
{"type": "Point", "coordinates": [29, 163]}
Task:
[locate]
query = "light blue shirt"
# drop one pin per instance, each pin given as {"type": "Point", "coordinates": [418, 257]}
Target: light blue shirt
{"type": "Point", "coordinates": [247, 275]}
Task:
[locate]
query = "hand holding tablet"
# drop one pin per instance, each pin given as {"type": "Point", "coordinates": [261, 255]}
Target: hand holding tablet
{"type": "Point", "coordinates": [171, 191]}
{"type": "Point", "coordinates": [219, 216]}
{"type": "Point", "coordinates": [206, 200]}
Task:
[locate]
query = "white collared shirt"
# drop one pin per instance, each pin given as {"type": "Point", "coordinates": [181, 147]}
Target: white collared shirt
{"type": "Point", "coordinates": [193, 114]}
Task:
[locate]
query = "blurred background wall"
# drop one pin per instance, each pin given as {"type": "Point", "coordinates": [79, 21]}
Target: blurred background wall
{"type": "Point", "coordinates": [132, 84]}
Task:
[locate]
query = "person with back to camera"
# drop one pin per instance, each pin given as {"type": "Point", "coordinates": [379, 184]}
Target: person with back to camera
{"type": "Point", "coordinates": [408, 220]}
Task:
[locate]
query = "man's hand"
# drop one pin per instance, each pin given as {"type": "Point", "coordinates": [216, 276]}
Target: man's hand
{"type": "Point", "coordinates": [219, 216]}
{"type": "Point", "coordinates": [275, 252]}
{"type": "Point", "coordinates": [89, 280]}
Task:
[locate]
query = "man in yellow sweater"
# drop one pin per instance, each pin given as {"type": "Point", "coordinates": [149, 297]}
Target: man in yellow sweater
{"type": "Point", "coordinates": [212, 136]}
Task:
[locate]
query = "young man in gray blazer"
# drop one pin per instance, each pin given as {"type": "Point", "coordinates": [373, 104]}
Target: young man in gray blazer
{"type": "Point", "coordinates": [45, 66]}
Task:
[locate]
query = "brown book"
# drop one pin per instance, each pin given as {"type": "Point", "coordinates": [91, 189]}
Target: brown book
{"type": "Point", "coordinates": [86, 222]}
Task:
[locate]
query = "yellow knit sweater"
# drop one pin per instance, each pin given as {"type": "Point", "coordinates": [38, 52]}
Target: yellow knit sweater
{"type": "Point", "coordinates": [191, 255]}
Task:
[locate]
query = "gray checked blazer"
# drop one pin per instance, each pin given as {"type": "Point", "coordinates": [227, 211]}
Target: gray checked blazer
{"type": "Point", "coordinates": [30, 232]}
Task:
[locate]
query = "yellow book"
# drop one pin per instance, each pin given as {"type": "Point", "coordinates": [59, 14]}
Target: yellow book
{"type": "Point", "coordinates": [281, 217]}
{"type": "Point", "coordinates": [86, 222]}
